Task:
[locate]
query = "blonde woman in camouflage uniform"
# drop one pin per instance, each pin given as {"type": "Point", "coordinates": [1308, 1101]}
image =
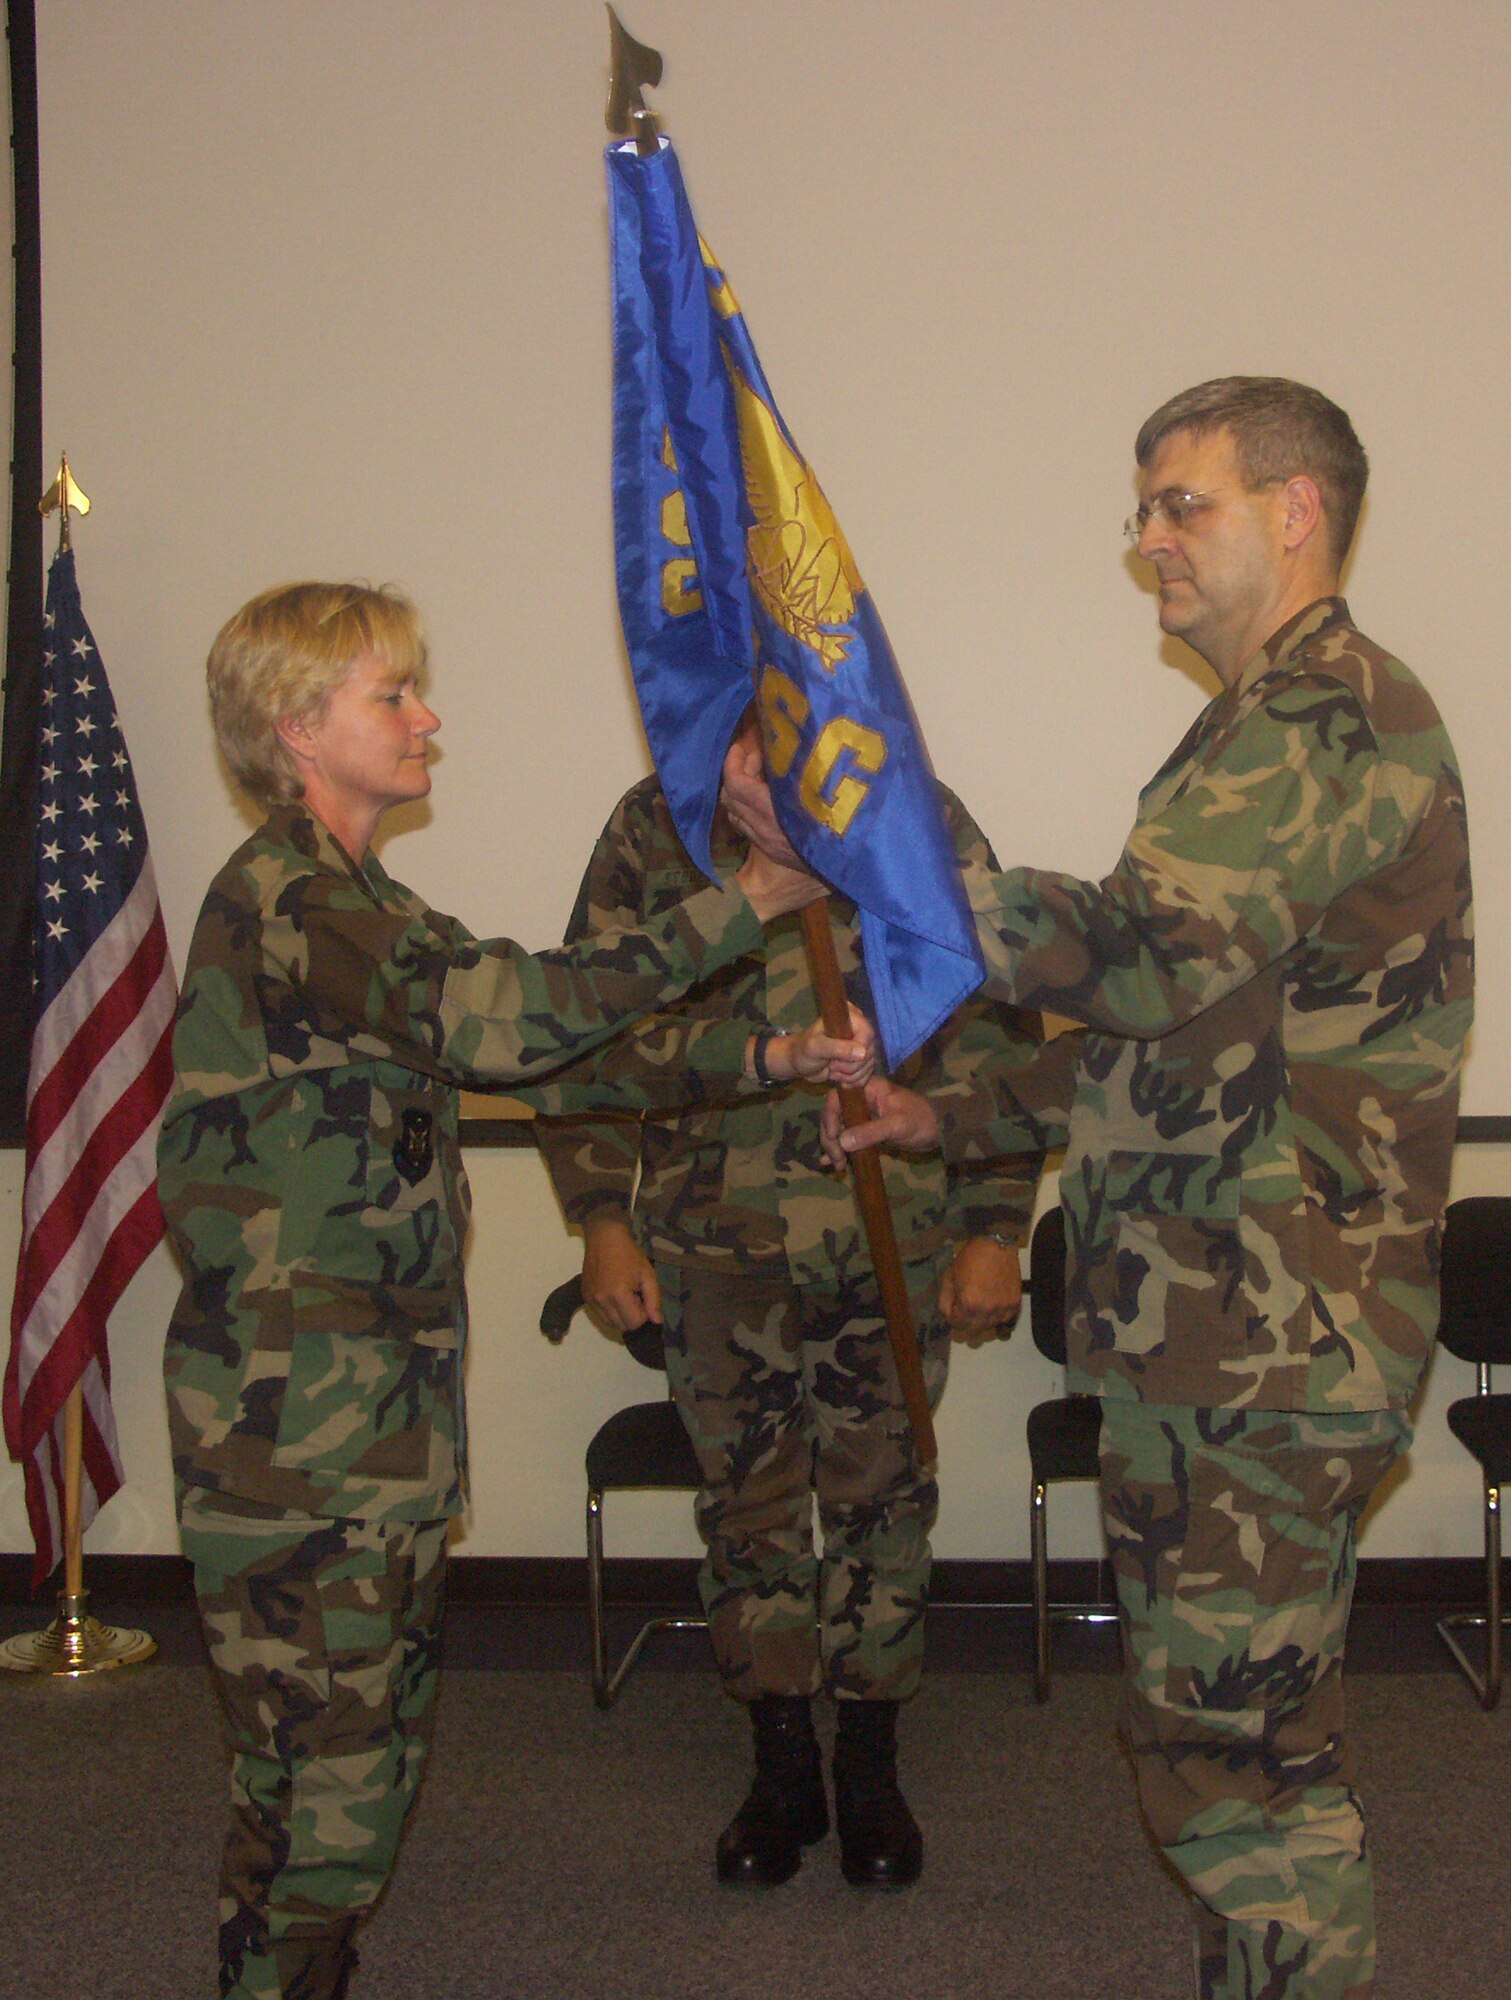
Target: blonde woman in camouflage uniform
{"type": "Point", "coordinates": [742, 1240]}
{"type": "Point", "coordinates": [313, 1183]}
{"type": "Point", "coordinates": [1276, 982]}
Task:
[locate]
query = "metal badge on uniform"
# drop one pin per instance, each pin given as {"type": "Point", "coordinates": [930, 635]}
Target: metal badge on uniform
{"type": "Point", "coordinates": [414, 1149]}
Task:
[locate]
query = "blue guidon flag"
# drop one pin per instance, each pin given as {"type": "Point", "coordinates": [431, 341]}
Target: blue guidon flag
{"type": "Point", "coordinates": [735, 582]}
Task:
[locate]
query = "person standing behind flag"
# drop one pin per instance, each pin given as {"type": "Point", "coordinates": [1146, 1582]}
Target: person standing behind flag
{"type": "Point", "coordinates": [311, 1176]}
{"type": "Point", "coordinates": [752, 1251]}
{"type": "Point", "coordinates": [1276, 982]}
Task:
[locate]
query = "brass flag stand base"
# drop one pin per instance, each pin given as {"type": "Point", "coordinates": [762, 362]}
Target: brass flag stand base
{"type": "Point", "coordinates": [75, 1644]}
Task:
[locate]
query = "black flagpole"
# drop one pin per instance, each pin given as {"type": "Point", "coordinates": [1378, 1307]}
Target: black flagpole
{"type": "Point", "coordinates": [23, 637]}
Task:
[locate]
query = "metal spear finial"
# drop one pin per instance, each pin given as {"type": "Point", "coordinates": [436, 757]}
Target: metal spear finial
{"type": "Point", "coordinates": [631, 66]}
{"type": "Point", "coordinates": [64, 495]}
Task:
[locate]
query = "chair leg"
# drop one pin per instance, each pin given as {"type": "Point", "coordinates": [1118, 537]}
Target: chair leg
{"type": "Point", "coordinates": [1107, 1585]}
{"type": "Point", "coordinates": [1038, 1544]}
{"type": "Point", "coordinates": [596, 1632]}
{"type": "Point", "coordinates": [1491, 1621]}
{"type": "Point", "coordinates": [606, 1685]}
{"type": "Point", "coordinates": [1492, 1693]}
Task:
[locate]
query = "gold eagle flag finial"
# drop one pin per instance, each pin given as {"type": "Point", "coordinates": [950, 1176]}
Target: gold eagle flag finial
{"type": "Point", "coordinates": [631, 67]}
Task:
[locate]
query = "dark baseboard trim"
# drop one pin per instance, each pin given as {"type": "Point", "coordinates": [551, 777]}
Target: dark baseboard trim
{"type": "Point", "coordinates": [1484, 1131]}
{"type": "Point", "coordinates": [539, 1581]}
{"type": "Point", "coordinates": [498, 1131]}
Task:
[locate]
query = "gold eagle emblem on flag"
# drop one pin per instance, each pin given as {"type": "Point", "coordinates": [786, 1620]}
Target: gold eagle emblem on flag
{"type": "Point", "coordinates": [800, 564]}
{"type": "Point", "coordinates": [801, 567]}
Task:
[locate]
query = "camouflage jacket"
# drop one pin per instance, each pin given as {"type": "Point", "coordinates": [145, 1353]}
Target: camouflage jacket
{"type": "Point", "coordinates": [1277, 983]}
{"type": "Point", "coordinates": [742, 1186]}
{"type": "Point", "coordinates": [309, 1164]}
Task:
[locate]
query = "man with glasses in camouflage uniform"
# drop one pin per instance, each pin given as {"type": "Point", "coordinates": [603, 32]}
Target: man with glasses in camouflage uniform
{"type": "Point", "coordinates": [1276, 984]}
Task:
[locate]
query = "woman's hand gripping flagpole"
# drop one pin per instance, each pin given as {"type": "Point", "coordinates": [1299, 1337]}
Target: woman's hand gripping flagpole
{"type": "Point", "coordinates": [746, 800]}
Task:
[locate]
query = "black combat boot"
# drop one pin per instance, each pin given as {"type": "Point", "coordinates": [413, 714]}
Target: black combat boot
{"type": "Point", "coordinates": [880, 1846]}
{"type": "Point", "coordinates": [786, 1808]}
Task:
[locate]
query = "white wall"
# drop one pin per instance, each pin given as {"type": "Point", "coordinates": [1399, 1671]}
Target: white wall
{"type": "Point", "coordinates": [533, 1408]}
{"type": "Point", "coordinates": [325, 292]}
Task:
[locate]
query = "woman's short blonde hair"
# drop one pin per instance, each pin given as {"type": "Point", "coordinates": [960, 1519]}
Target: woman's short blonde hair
{"type": "Point", "coordinates": [285, 654]}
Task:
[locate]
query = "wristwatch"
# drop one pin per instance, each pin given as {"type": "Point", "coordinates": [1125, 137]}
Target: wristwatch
{"type": "Point", "coordinates": [764, 1037]}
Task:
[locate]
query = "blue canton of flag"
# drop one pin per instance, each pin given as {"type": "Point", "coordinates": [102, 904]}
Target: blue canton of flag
{"type": "Point", "coordinates": [100, 1070]}
{"type": "Point", "coordinates": [735, 581]}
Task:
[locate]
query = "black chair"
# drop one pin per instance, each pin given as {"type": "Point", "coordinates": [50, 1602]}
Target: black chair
{"type": "Point", "coordinates": [1476, 1326]}
{"type": "Point", "coordinates": [643, 1446]}
{"type": "Point", "coordinates": [1063, 1437]}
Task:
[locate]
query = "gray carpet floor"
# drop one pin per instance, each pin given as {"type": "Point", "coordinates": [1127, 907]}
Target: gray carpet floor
{"type": "Point", "coordinates": [564, 1854]}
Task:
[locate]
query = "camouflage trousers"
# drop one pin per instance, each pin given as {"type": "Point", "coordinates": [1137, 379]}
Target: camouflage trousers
{"type": "Point", "coordinates": [791, 1394]}
{"type": "Point", "coordinates": [1232, 1539]}
{"type": "Point", "coordinates": [325, 1641]}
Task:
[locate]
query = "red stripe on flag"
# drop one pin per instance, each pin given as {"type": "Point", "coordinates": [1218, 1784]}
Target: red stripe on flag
{"type": "Point", "coordinates": [115, 1010]}
{"type": "Point", "coordinates": [79, 1339]}
{"type": "Point", "coordinates": [111, 1140]}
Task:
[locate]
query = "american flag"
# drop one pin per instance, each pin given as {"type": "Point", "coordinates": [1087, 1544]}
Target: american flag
{"type": "Point", "coordinates": [100, 1070]}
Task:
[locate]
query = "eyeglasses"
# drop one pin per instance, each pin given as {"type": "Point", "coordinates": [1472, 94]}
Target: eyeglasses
{"type": "Point", "coordinates": [1179, 508]}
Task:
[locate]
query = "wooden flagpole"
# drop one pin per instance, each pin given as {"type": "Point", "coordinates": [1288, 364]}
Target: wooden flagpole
{"type": "Point", "coordinates": [871, 1192]}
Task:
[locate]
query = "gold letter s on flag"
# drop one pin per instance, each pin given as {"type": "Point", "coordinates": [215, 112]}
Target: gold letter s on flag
{"type": "Point", "coordinates": [679, 577]}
